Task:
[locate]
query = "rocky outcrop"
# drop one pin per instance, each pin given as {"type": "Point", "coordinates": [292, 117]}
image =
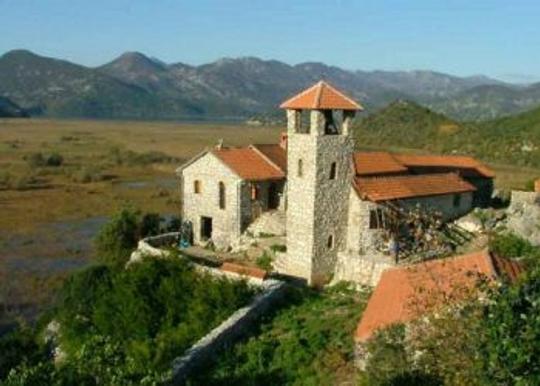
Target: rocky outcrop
{"type": "Point", "coordinates": [523, 216]}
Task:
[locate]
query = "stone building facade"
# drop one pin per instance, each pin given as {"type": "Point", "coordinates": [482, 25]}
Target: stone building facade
{"type": "Point", "coordinates": [331, 196]}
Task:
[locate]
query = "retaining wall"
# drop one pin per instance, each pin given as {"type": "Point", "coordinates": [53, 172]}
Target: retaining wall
{"type": "Point", "coordinates": [232, 329]}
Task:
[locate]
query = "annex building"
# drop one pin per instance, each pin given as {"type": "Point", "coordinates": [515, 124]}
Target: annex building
{"type": "Point", "coordinates": [335, 200]}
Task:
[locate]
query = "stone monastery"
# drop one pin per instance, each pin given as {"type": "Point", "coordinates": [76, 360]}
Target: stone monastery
{"type": "Point", "coordinates": [334, 201]}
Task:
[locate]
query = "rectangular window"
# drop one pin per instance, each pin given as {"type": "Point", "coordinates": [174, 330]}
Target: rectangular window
{"type": "Point", "coordinates": [457, 200]}
{"type": "Point", "coordinates": [376, 219]}
{"type": "Point", "coordinates": [197, 187]}
{"type": "Point", "coordinates": [333, 171]}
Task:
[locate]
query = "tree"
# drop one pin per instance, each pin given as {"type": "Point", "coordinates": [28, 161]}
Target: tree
{"type": "Point", "coordinates": [117, 239]}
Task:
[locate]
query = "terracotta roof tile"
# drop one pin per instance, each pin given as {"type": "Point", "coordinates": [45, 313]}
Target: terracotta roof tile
{"type": "Point", "coordinates": [248, 164]}
{"type": "Point", "coordinates": [321, 96]}
{"type": "Point", "coordinates": [402, 187]}
{"type": "Point", "coordinates": [275, 153]}
{"type": "Point", "coordinates": [450, 161]}
{"type": "Point", "coordinates": [245, 271]}
{"type": "Point", "coordinates": [405, 293]}
{"type": "Point", "coordinates": [369, 163]}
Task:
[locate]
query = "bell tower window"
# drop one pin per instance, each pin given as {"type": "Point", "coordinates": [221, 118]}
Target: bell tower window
{"type": "Point", "coordinates": [330, 124]}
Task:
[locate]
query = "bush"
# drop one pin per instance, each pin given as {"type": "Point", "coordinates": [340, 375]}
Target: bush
{"type": "Point", "coordinates": [117, 238]}
{"type": "Point", "coordinates": [55, 160]}
{"type": "Point", "coordinates": [17, 347]}
{"type": "Point", "coordinates": [264, 261]}
{"type": "Point", "coordinates": [149, 313]}
{"type": "Point", "coordinates": [511, 245]}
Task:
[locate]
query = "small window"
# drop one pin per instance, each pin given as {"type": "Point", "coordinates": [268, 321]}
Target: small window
{"type": "Point", "coordinates": [221, 195]}
{"type": "Point", "coordinates": [457, 200]}
{"type": "Point", "coordinates": [255, 192]}
{"type": "Point", "coordinates": [333, 171]}
{"type": "Point", "coordinates": [300, 168]}
{"type": "Point", "coordinates": [376, 219]}
{"type": "Point", "coordinates": [197, 187]}
{"type": "Point", "coordinates": [330, 242]}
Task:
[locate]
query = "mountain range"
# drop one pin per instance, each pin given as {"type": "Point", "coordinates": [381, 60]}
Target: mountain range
{"type": "Point", "coordinates": [138, 87]}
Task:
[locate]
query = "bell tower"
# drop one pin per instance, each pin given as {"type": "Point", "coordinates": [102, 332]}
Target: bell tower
{"type": "Point", "coordinates": [319, 176]}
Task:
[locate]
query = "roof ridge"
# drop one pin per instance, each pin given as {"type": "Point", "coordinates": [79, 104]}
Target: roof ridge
{"type": "Point", "coordinates": [266, 158]}
{"type": "Point", "coordinates": [307, 90]}
{"type": "Point", "coordinates": [332, 88]}
{"type": "Point", "coordinates": [318, 96]}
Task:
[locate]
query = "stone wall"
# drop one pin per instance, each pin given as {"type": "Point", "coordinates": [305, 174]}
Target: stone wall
{"type": "Point", "coordinates": [361, 269]}
{"type": "Point", "coordinates": [232, 329]}
{"type": "Point", "coordinates": [317, 206]}
{"type": "Point", "coordinates": [226, 223]}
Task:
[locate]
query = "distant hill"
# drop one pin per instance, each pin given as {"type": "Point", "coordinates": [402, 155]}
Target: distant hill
{"type": "Point", "coordinates": [486, 102]}
{"type": "Point", "coordinates": [405, 124]}
{"type": "Point", "coordinates": [135, 86]}
{"type": "Point", "coordinates": [8, 109]}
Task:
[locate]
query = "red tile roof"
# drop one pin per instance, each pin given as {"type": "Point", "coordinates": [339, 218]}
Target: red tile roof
{"type": "Point", "coordinates": [406, 293]}
{"type": "Point", "coordinates": [249, 164]}
{"type": "Point", "coordinates": [321, 96]}
{"type": "Point", "coordinates": [402, 187]}
{"type": "Point", "coordinates": [245, 271]}
{"type": "Point", "coordinates": [369, 163]}
{"type": "Point", "coordinates": [275, 153]}
{"type": "Point", "coordinates": [449, 161]}
{"type": "Point", "coordinates": [380, 162]}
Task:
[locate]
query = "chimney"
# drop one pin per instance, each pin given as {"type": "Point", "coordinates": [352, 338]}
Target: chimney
{"type": "Point", "coordinates": [283, 140]}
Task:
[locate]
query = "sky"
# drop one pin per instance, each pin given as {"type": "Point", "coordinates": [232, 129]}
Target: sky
{"type": "Point", "coordinates": [462, 37]}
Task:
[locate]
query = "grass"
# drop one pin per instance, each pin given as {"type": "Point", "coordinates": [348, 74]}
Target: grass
{"type": "Point", "coordinates": [306, 342]}
{"type": "Point", "coordinates": [96, 156]}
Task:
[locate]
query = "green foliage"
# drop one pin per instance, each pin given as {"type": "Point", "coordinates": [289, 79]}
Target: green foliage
{"type": "Point", "coordinates": [512, 245]}
{"type": "Point", "coordinates": [19, 346]}
{"type": "Point", "coordinates": [124, 327]}
{"type": "Point", "coordinates": [54, 159]}
{"type": "Point", "coordinates": [264, 261]}
{"type": "Point", "coordinates": [153, 311]}
{"type": "Point", "coordinates": [150, 224]}
{"type": "Point", "coordinates": [512, 328]}
{"type": "Point", "coordinates": [308, 342]}
{"type": "Point", "coordinates": [405, 124]}
{"type": "Point", "coordinates": [118, 237]}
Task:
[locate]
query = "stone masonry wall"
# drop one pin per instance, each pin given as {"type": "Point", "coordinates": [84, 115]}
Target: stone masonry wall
{"type": "Point", "coordinates": [209, 170]}
{"type": "Point", "coordinates": [317, 206]}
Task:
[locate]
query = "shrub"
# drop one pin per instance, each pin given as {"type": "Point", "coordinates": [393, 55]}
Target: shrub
{"type": "Point", "coordinates": [511, 245]}
{"type": "Point", "coordinates": [148, 313]}
{"type": "Point", "coordinates": [117, 238]}
{"type": "Point", "coordinates": [264, 261]}
{"type": "Point", "coordinates": [17, 347]}
{"type": "Point", "coordinates": [150, 224]}
{"type": "Point", "coordinates": [55, 160]}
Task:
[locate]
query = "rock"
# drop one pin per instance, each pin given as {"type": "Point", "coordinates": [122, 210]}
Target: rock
{"type": "Point", "coordinates": [470, 223]}
{"type": "Point", "coordinates": [523, 216]}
